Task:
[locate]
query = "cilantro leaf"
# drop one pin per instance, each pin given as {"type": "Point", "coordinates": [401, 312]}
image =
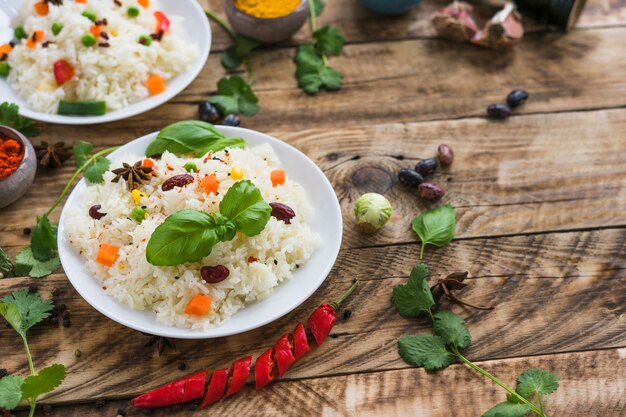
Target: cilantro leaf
{"type": "Point", "coordinates": [536, 382]}
{"type": "Point", "coordinates": [94, 172]}
{"type": "Point", "coordinates": [31, 308]}
{"type": "Point", "coordinates": [43, 242]}
{"type": "Point", "coordinates": [235, 54]}
{"type": "Point", "coordinates": [10, 391]}
{"type": "Point", "coordinates": [328, 40]}
{"type": "Point", "coordinates": [319, 7]}
{"type": "Point", "coordinates": [235, 96]}
{"type": "Point", "coordinates": [9, 116]}
{"type": "Point", "coordinates": [435, 227]}
{"type": "Point", "coordinates": [414, 297]}
{"type": "Point", "coordinates": [312, 72]}
{"type": "Point", "coordinates": [6, 266]}
{"type": "Point", "coordinates": [26, 264]}
{"type": "Point", "coordinates": [12, 315]}
{"type": "Point", "coordinates": [508, 409]}
{"type": "Point", "coordinates": [81, 151]}
{"type": "Point", "coordinates": [45, 381]}
{"type": "Point", "coordinates": [451, 328]}
{"type": "Point", "coordinates": [425, 351]}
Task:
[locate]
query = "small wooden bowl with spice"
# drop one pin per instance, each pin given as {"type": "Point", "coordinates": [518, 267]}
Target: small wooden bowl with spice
{"type": "Point", "coordinates": [268, 21]}
{"type": "Point", "coordinates": [18, 165]}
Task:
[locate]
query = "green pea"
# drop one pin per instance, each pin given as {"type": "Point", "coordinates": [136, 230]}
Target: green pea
{"type": "Point", "coordinates": [145, 40]}
{"type": "Point", "coordinates": [138, 213]}
{"type": "Point", "coordinates": [89, 39]}
{"type": "Point", "coordinates": [20, 33]}
{"type": "Point", "coordinates": [190, 166]}
{"type": "Point", "coordinates": [133, 12]}
{"type": "Point", "coordinates": [4, 68]}
{"type": "Point", "coordinates": [90, 15]}
{"type": "Point", "coordinates": [57, 28]}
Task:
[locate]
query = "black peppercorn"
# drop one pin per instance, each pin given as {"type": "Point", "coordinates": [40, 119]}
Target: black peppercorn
{"type": "Point", "coordinates": [347, 314]}
{"type": "Point", "coordinates": [3, 373]}
{"type": "Point", "coordinates": [54, 320]}
{"type": "Point", "coordinates": [32, 288]}
{"type": "Point", "coordinates": [100, 404]}
{"type": "Point", "coordinates": [27, 231]}
{"type": "Point", "coordinates": [66, 323]}
{"type": "Point", "coordinates": [55, 292]}
{"type": "Point", "coordinates": [65, 314]}
{"type": "Point", "coordinates": [61, 308]}
{"type": "Point", "coordinates": [182, 366]}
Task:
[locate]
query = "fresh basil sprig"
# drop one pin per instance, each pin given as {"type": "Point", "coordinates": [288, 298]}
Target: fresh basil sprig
{"type": "Point", "coordinates": [192, 137]}
{"type": "Point", "coordinates": [189, 235]}
{"type": "Point", "coordinates": [435, 227]}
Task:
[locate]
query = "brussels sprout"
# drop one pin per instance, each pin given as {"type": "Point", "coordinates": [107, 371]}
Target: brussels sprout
{"type": "Point", "coordinates": [372, 211]}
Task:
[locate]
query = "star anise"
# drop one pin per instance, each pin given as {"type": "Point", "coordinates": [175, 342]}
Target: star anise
{"type": "Point", "coordinates": [55, 2]}
{"type": "Point", "coordinates": [454, 281]}
{"type": "Point", "coordinates": [134, 175]}
{"type": "Point", "coordinates": [52, 155]}
{"type": "Point", "coordinates": [162, 343]}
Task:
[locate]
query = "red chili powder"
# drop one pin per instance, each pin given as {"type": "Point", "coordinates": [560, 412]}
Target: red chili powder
{"type": "Point", "coordinates": [11, 156]}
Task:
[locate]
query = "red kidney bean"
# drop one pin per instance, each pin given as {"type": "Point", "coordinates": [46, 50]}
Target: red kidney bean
{"type": "Point", "coordinates": [214, 274]}
{"type": "Point", "coordinates": [445, 154]}
{"type": "Point", "coordinates": [282, 212]}
{"type": "Point", "coordinates": [94, 212]}
{"type": "Point", "coordinates": [177, 181]}
{"type": "Point", "coordinates": [430, 191]}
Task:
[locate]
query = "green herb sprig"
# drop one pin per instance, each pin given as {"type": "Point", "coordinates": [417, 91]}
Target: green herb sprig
{"type": "Point", "coordinates": [189, 235]}
{"type": "Point", "coordinates": [22, 310]}
{"type": "Point", "coordinates": [435, 227]}
{"type": "Point", "coordinates": [9, 116]}
{"type": "Point", "coordinates": [439, 350]}
{"type": "Point", "coordinates": [313, 70]}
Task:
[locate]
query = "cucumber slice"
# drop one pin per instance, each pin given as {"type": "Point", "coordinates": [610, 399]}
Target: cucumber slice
{"type": "Point", "coordinates": [82, 108]}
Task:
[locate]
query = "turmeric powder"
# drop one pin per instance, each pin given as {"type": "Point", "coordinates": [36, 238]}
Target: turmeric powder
{"type": "Point", "coordinates": [267, 9]}
{"type": "Point", "coordinates": [11, 155]}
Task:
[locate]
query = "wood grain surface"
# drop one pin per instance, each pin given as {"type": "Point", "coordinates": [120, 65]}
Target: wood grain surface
{"type": "Point", "coordinates": [540, 202]}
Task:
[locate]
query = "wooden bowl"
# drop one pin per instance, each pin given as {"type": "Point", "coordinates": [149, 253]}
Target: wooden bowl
{"type": "Point", "coordinates": [267, 30]}
{"type": "Point", "coordinates": [15, 185]}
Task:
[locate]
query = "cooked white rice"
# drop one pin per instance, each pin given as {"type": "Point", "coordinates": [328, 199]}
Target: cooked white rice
{"type": "Point", "coordinates": [116, 74]}
{"type": "Point", "coordinates": [280, 248]}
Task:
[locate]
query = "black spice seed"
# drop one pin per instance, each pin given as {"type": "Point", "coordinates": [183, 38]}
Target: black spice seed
{"type": "Point", "coordinates": [3, 373]}
{"type": "Point", "coordinates": [78, 353]}
{"type": "Point", "coordinates": [61, 308]}
{"type": "Point", "coordinates": [176, 277]}
{"type": "Point", "coordinates": [27, 231]}
{"type": "Point", "coordinates": [54, 311]}
{"type": "Point", "coordinates": [347, 314]}
{"type": "Point", "coordinates": [32, 288]}
{"type": "Point", "coordinates": [104, 45]}
{"type": "Point", "coordinates": [47, 408]}
{"type": "Point", "coordinates": [117, 3]}
{"type": "Point", "coordinates": [4, 57]}
{"type": "Point", "coordinates": [297, 266]}
{"type": "Point", "coordinates": [66, 323]}
{"type": "Point", "coordinates": [104, 35]}
{"type": "Point", "coordinates": [46, 44]}
{"type": "Point", "coordinates": [54, 320]}
{"type": "Point", "coordinates": [100, 404]}
{"type": "Point", "coordinates": [275, 262]}
{"type": "Point", "coordinates": [334, 335]}
{"type": "Point", "coordinates": [55, 291]}
{"type": "Point", "coordinates": [182, 366]}
{"type": "Point", "coordinates": [65, 314]}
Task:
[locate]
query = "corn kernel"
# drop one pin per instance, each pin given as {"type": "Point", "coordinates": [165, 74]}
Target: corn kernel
{"type": "Point", "coordinates": [137, 195]}
{"type": "Point", "coordinates": [114, 33]}
{"type": "Point", "coordinates": [236, 173]}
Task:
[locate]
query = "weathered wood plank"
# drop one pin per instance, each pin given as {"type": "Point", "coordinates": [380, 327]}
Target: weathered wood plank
{"type": "Point", "coordinates": [553, 293]}
{"type": "Point", "coordinates": [532, 173]}
{"type": "Point", "coordinates": [591, 384]}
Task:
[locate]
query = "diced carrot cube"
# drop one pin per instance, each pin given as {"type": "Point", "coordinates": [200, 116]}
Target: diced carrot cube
{"type": "Point", "coordinates": [144, 3]}
{"type": "Point", "coordinates": [155, 84]}
{"type": "Point", "coordinates": [80, 1]}
{"type": "Point", "coordinates": [5, 49]}
{"type": "Point", "coordinates": [41, 8]}
{"type": "Point", "coordinates": [35, 38]}
{"type": "Point", "coordinates": [96, 30]}
{"type": "Point", "coordinates": [199, 305]}
{"type": "Point", "coordinates": [107, 254]}
{"type": "Point", "coordinates": [211, 184]}
{"type": "Point", "coordinates": [278, 177]}
{"type": "Point", "coordinates": [147, 163]}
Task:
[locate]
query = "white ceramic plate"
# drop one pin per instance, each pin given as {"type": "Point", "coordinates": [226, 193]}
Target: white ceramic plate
{"type": "Point", "coordinates": [326, 221]}
{"type": "Point", "coordinates": [198, 30]}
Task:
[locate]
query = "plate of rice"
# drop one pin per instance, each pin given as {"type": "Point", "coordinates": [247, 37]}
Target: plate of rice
{"type": "Point", "coordinates": [203, 244]}
{"type": "Point", "coordinates": [96, 61]}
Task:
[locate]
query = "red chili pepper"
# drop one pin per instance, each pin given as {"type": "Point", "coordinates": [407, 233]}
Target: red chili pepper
{"type": "Point", "coordinates": [179, 391]}
{"type": "Point", "coordinates": [63, 71]}
{"type": "Point", "coordinates": [163, 23]}
{"type": "Point", "coordinates": [217, 387]}
{"type": "Point", "coordinates": [283, 351]}
{"type": "Point", "coordinates": [300, 342]}
{"type": "Point", "coordinates": [265, 368]}
{"type": "Point", "coordinates": [324, 317]}
{"type": "Point", "coordinates": [239, 371]}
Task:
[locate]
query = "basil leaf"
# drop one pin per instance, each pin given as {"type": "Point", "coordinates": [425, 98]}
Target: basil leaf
{"type": "Point", "coordinates": [43, 242]}
{"type": "Point", "coordinates": [244, 205]}
{"type": "Point", "coordinates": [188, 236]}
{"type": "Point", "coordinates": [435, 227]}
{"type": "Point", "coordinates": [191, 137]}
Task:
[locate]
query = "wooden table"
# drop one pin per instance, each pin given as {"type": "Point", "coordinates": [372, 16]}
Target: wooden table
{"type": "Point", "coordinates": [540, 201]}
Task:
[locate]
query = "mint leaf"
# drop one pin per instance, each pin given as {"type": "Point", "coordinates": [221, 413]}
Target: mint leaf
{"type": "Point", "coordinates": [235, 54]}
{"type": "Point", "coordinates": [81, 151]}
{"type": "Point", "coordinates": [192, 137]}
{"type": "Point", "coordinates": [328, 40]}
{"type": "Point", "coordinates": [94, 172]}
{"type": "Point", "coordinates": [244, 205]}
{"type": "Point", "coordinates": [451, 328]}
{"type": "Point", "coordinates": [235, 96]}
{"type": "Point", "coordinates": [26, 264]}
{"type": "Point", "coordinates": [425, 351]}
{"type": "Point", "coordinates": [10, 391]}
{"type": "Point", "coordinates": [43, 242]}
{"type": "Point", "coordinates": [435, 227]}
{"type": "Point", "coordinates": [508, 409]}
{"type": "Point", "coordinates": [312, 72]}
{"type": "Point", "coordinates": [414, 297]}
{"type": "Point", "coordinates": [9, 116]}
{"type": "Point", "coordinates": [188, 236]}
{"type": "Point", "coordinates": [536, 382]}
{"type": "Point", "coordinates": [45, 381]}
{"type": "Point", "coordinates": [319, 7]}
{"type": "Point", "coordinates": [6, 266]}
{"type": "Point", "coordinates": [31, 308]}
